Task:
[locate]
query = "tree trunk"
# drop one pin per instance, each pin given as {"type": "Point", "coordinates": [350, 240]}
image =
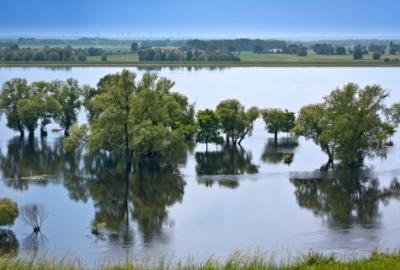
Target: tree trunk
{"type": "Point", "coordinates": [227, 139]}
{"type": "Point", "coordinates": [21, 131]}
{"type": "Point", "coordinates": [128, 152]}
{"type": "Point", "coordinates": [276, 137]}
{"type": "Point", "coordinates": [31, 132]}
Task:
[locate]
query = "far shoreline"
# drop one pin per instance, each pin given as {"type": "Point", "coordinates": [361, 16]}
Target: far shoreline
{"type": "Point", "coordinates": [204, 64]}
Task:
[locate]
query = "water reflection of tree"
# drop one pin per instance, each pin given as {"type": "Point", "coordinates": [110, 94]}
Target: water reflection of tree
{"type": "Point", "coordinates": [226, 183]}
{"type": "Point", "coordinates": [8, 242]}
{"type": "Point", "coordinates": [344, 198]}
{"type": "Point", "coordinates": [154, 188]}
{"type": "Point", "coordinates": [29, 160]}
{"type": "Point", "coordinates": [121, 196]}
{"type": "Point", "coordinates": [274, 152]}
{"type": "Point", "coordinates": [228, 161]}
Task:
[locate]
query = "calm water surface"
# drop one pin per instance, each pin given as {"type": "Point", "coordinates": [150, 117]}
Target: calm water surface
{"type": "Point", "coordinates": [209, 203]}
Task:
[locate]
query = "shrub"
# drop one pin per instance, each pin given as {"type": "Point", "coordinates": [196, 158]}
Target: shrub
{"type": "Point", "coordinates": [8, 212]}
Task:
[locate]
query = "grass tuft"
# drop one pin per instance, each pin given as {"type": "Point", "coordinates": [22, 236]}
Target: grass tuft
{"type": "Point", "coordinates": [237, 261]}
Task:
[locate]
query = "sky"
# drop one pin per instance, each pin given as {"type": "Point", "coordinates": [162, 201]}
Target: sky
{"type": "Point", "coordinates": [200, 18]}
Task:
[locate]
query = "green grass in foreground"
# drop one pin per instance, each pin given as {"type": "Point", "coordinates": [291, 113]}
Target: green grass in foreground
{"type": "Point", "coordinates": [238, 261]}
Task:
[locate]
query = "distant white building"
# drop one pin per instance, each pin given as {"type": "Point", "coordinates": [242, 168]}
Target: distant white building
{"type": "Point", "coordinates": [274, 50]}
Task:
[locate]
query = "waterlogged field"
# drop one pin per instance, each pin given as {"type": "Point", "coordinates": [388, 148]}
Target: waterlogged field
{"type": "Point", "coordinates": [219, 201]}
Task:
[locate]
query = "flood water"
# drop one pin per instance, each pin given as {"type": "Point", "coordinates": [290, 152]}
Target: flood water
{"type": "Point", "coordinates": [210, 203]}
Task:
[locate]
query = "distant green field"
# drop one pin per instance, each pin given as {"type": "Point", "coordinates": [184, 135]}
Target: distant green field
{"type": "Point", "coordinates": [123, 58]}
{"type": "Point", "coordinates": [311, 57]}
{"type": "Point", "coordinates": [110, 48]}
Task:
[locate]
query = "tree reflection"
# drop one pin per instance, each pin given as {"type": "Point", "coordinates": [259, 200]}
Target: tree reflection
{"type": "Point", "coordinates": [274, 152]}
{"type": "Point", "coordinates": [29, 160]}
{"type": "Point", "coordinates": [121, 196]}
{"type": "Point", "coordinates": [8, 242]}
{"type": "Point", "coordinates": [344, 197]}
{"type": "Point", "coordinates": [225, 183]}
{"type": "Point", "coordinates": [228, 161]}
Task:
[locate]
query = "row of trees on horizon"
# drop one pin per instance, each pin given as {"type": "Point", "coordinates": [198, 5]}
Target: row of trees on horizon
{"type": "Point", "coordinates": [194, 50]}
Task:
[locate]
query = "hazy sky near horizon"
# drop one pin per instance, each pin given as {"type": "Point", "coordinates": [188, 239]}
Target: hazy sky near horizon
{"type": "Point", "coordinates": [202, 18]}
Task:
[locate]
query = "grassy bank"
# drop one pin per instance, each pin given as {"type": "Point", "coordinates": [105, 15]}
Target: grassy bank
{"type": "Point", "coordinates": [237, 261]}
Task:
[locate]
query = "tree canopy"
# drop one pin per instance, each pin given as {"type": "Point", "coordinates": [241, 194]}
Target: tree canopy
{"type": "Point", "coordinates": [138, 117]}
{"type": "Point", "coordinates": [278, 120]}
{"type": "Point", "coordinates": [348, 125]}
{"type": "Point", "coordinates": [8, 212]}
{"type": "Point", "coordinates": [236, 122]}
{"type": "Point", "coordinates": [208, 127]}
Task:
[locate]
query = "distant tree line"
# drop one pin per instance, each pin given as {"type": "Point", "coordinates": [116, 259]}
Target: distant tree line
{"type": "Point", "coordinates": [394, 48]}
{"type": "Point", "coordinates": [14, 53]}
{"type": "Point", "coordinates": [148, 54]}
{"type": "Point", "coordinates": [328, 49]}
{"type": "Point", "coordinates": [234, 44]}
{"type": "Point", "coordinates": [85, 41]}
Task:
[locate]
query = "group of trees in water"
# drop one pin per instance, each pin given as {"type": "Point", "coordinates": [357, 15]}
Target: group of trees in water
{"type": "Point", "coordinates": [138, 118]}
{"type": "Point", "coordinates": [29, 106]}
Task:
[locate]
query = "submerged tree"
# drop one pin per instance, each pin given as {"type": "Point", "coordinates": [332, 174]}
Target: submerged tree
{"type": "Point", "coordinates": [208, 128]}
{"type": "Point", "coordinates": [34, 215]}
{"type": "Point", "coordinates": [236, 123]}
{"type": "Point", "coordinates": [278, 120]}
{"type": "Point", "coordinates": [68, 95]}
{"type": "Point", "coordinates": [12, 93]}
{"type": "Point", "coordinates": [348, 125]}
{"type": "Point", "coordinates": [142, 118]}
{"type": "Point", "coordinates": [40, 106]}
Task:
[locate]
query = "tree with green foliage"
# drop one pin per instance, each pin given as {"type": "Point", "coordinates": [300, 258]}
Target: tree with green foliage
{"type": "Point", "coordinates": [340, 50]}
{"type": "Point", "coordinates": [236, 123]}
{"type": "Point", "coordinates": [348, 125]}
{"type": "Point", "coordinates": [357, 53]}
{"type": "Point", "coordinates": [278, 120]}
{"type": "Point", "coordinates": [138, 118]}
{"type": "Point", "coordinates": [302, 51]}
{"type": "Point", "coordinates": [76, 139]}
{"type": "Point", "coordinates": [134, 47]}
{"type": "Point", "coordinates": [160, 120]}
{"type": "Point", "coordinates": [8, 212]}
{"type": "Point", "coordinates": [110, 109]}
{"type": "Point", "coordinates": [376, 55]}
{"type": "Point", "coordinates": [68, 95]}
{"type": "Point", "coordinates": [12, 93]}
{"type": "Point", "coordinates": [393, 113]}
{"type": "Point", "coordinates": [40, 106]}
{"type": "Point", "coordinates": [208, 127]}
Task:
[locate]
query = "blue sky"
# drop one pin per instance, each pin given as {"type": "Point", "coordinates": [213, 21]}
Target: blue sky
{"type": "Point", "coordinates": [201, 18]}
